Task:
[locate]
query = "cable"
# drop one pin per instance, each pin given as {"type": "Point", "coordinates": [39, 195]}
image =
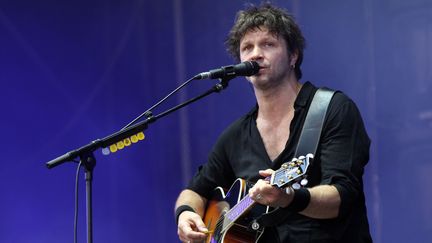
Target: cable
{"type": "Point", "coordinates": [76, 202]}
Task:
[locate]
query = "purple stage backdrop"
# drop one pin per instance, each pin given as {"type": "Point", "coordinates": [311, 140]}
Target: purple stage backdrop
{"type": "Point", "coordinates": [74, 71]}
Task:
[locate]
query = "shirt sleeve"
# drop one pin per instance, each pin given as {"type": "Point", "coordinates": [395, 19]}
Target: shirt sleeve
{"type": "Point", "coordinates": [217, 171]}
{"type": "Point", "coordinates": [344, 151]}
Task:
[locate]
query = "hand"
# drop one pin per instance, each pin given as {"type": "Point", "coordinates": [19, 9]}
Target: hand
{"type": "Point", "coordinates": [264, 193]}
{"type": "Point", "coordinates": [191, 227]}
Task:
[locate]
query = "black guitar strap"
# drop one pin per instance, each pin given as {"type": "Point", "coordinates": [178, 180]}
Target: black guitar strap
{"type": "Point", "coordinates": [308, 142]}
{"type": "Point", "coordinates": [312, 127]}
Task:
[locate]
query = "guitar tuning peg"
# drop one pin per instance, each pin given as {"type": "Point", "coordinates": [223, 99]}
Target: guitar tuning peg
{"type": "Point", "coordinates": [292, 163]}
{"type": "Point", "coordinates": [304, 182]}
{"type": "Point", "coordinates": [301, 157]}
{"type": "Point", "coordinates": [296, 186]}
{"type": "Point", "coordinates": [310, 156]}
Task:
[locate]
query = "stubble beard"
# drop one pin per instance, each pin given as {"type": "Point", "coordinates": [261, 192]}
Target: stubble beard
{"type": "Point", "coordinates": [267, 82]}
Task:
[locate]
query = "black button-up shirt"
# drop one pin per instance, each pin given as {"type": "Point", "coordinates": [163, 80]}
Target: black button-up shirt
{"type": "Point", "coordinates": [342, 153]}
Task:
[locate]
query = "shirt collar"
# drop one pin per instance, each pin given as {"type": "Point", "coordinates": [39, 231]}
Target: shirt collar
{"type": "Point", "coordinates": [305, 92]}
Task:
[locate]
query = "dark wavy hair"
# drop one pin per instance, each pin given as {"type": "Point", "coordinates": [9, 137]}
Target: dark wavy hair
{"type": "Point", "coordinates": [277, 20]}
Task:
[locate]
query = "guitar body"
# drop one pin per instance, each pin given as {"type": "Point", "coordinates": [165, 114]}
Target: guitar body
{"type": "Point", "coordinates": [221, 228]}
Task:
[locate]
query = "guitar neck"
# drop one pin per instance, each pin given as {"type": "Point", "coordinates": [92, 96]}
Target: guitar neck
{"type": "Point", "coordinates": [240, 208]}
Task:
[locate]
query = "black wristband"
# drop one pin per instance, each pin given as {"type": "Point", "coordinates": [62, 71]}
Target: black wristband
{"type": "Point", "coordinates": [181, 209]}
{"type": "Point", "coordinates": [300, 201]}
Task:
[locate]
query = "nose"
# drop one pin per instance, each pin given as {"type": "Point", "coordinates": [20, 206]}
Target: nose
{"type": "Point", "coordinates": [256, 54]}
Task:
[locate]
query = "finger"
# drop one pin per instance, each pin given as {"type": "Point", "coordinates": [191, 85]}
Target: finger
{"type": "Point", "coordinates": [261, 184]}
{"type": "Point", "coordinates": [256, 194]}
{"type": "Point", "coordinates": [200, 226]}
{"type": "Point", "coordinates": [253, 193]}
{"type": "Point", "coordinates": [182, 232]}
{"type": "Point", "coordinates": [265, 173]}
{"type": "Point", "coordinates": [187, 233]}
{"type": "Point", "coordinates": [183, 238]}
{"type": "Point", "coordinates": [196, 236]}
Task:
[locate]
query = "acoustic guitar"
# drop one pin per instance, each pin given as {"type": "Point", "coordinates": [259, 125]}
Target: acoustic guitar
{"type": "Point", "coordinates": [231, 217]}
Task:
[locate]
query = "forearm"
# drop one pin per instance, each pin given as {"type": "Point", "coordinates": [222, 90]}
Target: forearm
{"type": "Point", "coordinates": [192, 199]}
{"type": "Point", "coordinates": [324, 202]}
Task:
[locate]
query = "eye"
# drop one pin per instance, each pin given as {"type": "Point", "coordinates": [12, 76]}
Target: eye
{"type": "Point", "coordinates": [246, 48]}
{"type": "Point", "coordinates": [269, 44]}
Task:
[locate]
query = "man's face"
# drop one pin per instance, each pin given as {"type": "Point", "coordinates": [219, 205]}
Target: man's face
{"type": "Point", "coordinates": [270, 51]}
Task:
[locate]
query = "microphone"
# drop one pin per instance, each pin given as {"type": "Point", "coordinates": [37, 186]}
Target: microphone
{"type": "Point", "coordinates": [247, 68]}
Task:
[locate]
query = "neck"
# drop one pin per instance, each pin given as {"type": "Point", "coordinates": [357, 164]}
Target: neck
{"type": "Point", "coordinates": [276, 102]}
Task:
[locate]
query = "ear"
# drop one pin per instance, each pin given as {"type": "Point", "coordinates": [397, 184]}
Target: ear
{"type": "Point", "coordinates": [293, 58]}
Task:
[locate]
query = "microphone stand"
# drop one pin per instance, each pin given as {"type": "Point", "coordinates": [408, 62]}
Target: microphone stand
{"type": "Point", "coordinates": [86, 156]}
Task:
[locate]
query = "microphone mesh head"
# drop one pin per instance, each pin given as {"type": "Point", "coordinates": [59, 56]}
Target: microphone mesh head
{"type": "Point", "coordinates": [251, 68]}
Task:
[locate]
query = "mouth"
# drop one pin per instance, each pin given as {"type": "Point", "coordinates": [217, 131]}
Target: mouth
{"type": "Point", "coordinates": [263, 66]}
{"type": "Point", "coordinates": [262, 69]}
